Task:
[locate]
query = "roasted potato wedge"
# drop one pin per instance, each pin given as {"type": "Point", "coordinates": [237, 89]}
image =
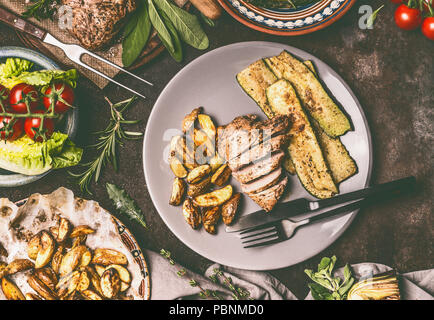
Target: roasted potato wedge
{"type": "Point", "coordinates": [207, 125]}
{"type": "Point", "coordinates": [41, 289]}
{"type": "Point", "coordinates": [124, 274]}
{"type": "Point", "coordinates": [107, 257]}
{"type": "Point", "coordinates": [71, 260]}
{"type": "Point", "coordinates": [229, 209]}
{"type": "Point", "coordinates": [84, 281]}
{"type": "Point", "coordinates": [180, 150]}
{"type": "Point", "coordinates": [10, 290]}
{"type": "Point", "coordinates": [46, 250]}
{"type": "Point", "coordinates": [64, 230]}
{"type": "Point", "coordinates": [47, 276]}
{"type": "Point", "coordinates": [54, 232]}
{"type": "Point", "coordinates": [200, 187]}
{"type": "Point", "coordinates": [201, 139]}
{"type": "Point", "coordinates": [99, 269]}
{"type": "Point", "coordinates": [33, 246]}
{"type": "Point", "coordinates": [32, 296]}
{"type": "Point", "coordinates": [15, 266]}
{"type": "Point", "coordinates": [198, 173]}
{"type": "Point", "coordinates": [3, 266]}
{"type": "Point", "coordinates": [178, 191]}
{"type": "Point", "coordinates": [86, 258]}
{"type": "Point", "coordinates": [178, 168]}
{"type": "Point", "coordinates": [95, 278]}
{"type": "Point", "coordinates": [190, 119]}
{"type": "Point", "coordinates": [90, 295]}
{"type": "Point", "coordinates": [81, 231]}
{"type": "Point", "coordinates": [110, 283]}
{"type": "Point", "coordinates": [211, 216]}
{"type": "Point", "coordinates": [221, 176]}
{"type": "Point", "coordinates": [210, 228]}
{"type": "Point", "coordinates": [57, 259]}
{"type": "Point", "coordinates": [216, 162]}
{"type": "Point", "coordinates": [214, 198]}
{"type": "Point", "coordinates": [191, 214]}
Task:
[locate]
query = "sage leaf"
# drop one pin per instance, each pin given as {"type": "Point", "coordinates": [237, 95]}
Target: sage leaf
{"type": "Point", "coordinates": [159, 25]}
{"type": "Point", "coordinates": [136, 35]}
{"type": "Point", "coordinates": [373, 17]}
{"type": "Point", "coordinates": [323, 264]}
{"type": "Point", "coordinates": [186, 24]}
{"type": "Point", "coordinates": [319, 292]}
{"type": "Point", "coordinates": [177, 53]}
{"type": "Point", "coordinates": [125, 204]}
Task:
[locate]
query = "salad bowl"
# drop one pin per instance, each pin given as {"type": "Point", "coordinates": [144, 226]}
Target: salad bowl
{"type": "Point", "coordinates": [70, 123]}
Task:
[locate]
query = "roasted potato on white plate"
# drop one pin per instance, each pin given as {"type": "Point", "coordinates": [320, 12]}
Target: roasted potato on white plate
{"type": "Point", "coordinates": [214, 198]}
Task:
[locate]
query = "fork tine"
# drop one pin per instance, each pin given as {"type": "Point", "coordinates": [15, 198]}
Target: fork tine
{"type": "Point", "coordinates": [117, 67]}
{"type": "Point", "coordinates": [273, 235]}
{"type": "Point", "coordinates": [261, 232]}
{"type": "Point", "coordinates": [261, 227]}
{"type": "Point", "coordinates": [265, 243]}
{"type": "Point", "coordinates": [110, 79]}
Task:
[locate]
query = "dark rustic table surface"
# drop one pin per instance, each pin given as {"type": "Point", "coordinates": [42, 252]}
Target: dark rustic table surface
{"type": "Point", "coordinates": [392, 74]}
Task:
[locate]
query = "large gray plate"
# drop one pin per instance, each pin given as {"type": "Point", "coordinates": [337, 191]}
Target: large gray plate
{"type": "Point", "coordinates": [10, 179]}
{"type": "Point", "coordinates": [209, 81]}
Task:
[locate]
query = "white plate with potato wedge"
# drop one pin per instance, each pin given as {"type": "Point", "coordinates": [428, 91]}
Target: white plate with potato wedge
{"type": "Point", "coordinates": [60, 247]}
{"type": "Point", "coordinates": [215, 82]}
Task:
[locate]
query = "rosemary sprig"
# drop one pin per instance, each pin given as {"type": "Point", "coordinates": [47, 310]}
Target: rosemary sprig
{"type": "Point", "coordinates": [108, 142]}
{"type": "Point", "coordinates": [203, 293]}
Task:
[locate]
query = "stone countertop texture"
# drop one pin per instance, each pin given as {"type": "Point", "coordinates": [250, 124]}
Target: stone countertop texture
{"type": "Point", "coordinates": [392, 74]}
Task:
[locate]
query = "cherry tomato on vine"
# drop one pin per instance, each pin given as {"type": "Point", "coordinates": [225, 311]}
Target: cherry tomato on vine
{"type": "Point", "coordinates": [10, 130]}
{"type": "Point", "coordinates": [61, 94]}
{"type": "Point", "coordinates": [32, 128]}
{"type": "Point", "coordinates": [428, 27]}
{"type": "Point", "coordinates": [408, 18]}
{"type": "Point", "coordinates": [4, 97]}
{"type": "Point", "coordinates": [23, 95]}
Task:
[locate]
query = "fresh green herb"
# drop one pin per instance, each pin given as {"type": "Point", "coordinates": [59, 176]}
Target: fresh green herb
{"type": "Point", "coordinates": [207, 20]}
{"type": "Point", "coordinates": [187, 24]}
{"type": "Point", "coordinates": [326, 286]}
{"type": "Point", "coordinates": [42, 9]}
{"type": "Point", "coordinates": [108, 142]}
{"type": "Point", "coordinates": [159, 25]}
{"type": "Point", "coordinates": [136, 35]}
{"type": "Point", "coordinates": [125, 204]}
{"type": "Point", "coordinates": [237, 293]}
{"type": "Point", "coordinates": [177, 52]}
{"type": "Point", "coordinates": [373, 17]}
{"type": "Point", "coordinates": [203, 293]}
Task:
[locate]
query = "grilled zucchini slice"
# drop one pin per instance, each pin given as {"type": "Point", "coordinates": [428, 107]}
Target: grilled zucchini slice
{"type": "Point", "coordinates": [254, 80]}
{"type": "Point", "coordinates": [303, 148]}
{"type": "Point", "coordinates": [311, 93]}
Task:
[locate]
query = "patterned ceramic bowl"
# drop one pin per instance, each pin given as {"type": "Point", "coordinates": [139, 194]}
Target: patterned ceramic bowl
{"type": "Point", "coordinates": [288, 22]}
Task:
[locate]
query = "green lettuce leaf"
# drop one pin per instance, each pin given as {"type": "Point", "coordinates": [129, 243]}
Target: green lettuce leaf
{"type": "Point", "coordinates": [44, 77]}
{"type": "Point", "coordinates": [14, 67]}
{"type": "Point", "coordinates": [32, 158]}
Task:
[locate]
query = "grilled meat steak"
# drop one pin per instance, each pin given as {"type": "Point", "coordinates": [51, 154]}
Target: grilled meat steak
{"type": "Point", "coordinates": [254, 152]}
{"type": "Point", "coordinates": [95, 22]}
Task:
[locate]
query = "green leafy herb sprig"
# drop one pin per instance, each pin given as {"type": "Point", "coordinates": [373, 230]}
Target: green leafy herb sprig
{"type": "Point", "coordinates": [173, 25]}
{"type": "Point", "coordinates": [109, 141]}
{"type": "Point", "coordinates": [373, 17]}
{"type": "Point", "coordinates": [237, 292]}
{"type": "Point", "coordinates": [326, 286]}
{"type": "Point", "coordinates": [42, 9]}
{"type": "Point", "coordinates": [125, 204]}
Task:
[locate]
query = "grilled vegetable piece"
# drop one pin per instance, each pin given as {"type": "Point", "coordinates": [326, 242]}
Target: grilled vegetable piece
{"type": "Point", "coordinates": [41, 289]}
{"type": "Point", "coordinates": [210, 228]}
{"type": "Point", "coordinates": [207, 125]}
{"type": "Point", "coordinates": [57, 259]}
{"type": "Point", "coordinates": [312, 94]}
{"type": "Point", "coordinates": [214, 198]}
{"type": "Point", "coordinates": [254, 80]}
{"type": "Point", "coordinates": [33, 246]}
{"type": "Point", "coordinates": [177, 167]}
{"type": "Point", "coordinates": [198, 173]}
{"type": "Point", "coordinates": [303, 148]}
{"type": "Point", "coordinates": [16, 266]}
{"type": "Point", "coordinates": [221, 176]}
{"type": "Point", "coordinates": [47, 276]}
{"type": "Point", "coordinates": [46, 250]}
{"type": "Point", "coordinates": [178, 191]}
{"type": "Point", "coordinates": [11, 291]}
{"type": "Point", "coordinates": [190, 119]}
{"type": "Point", "coordinates": [198, 188]}
{"type": "Point", "coordinates": [124, 274]}
{"type": "Point", "coordinates": [71, 260]}
{"type": "Point", "coordinates": [64, 230]}
{"type": "Point", "coordinates": [211, 216]}
{"type": "Point", "coordinates": [229, 209]}
{"type": "Point", "coordinates": [191, 214]}
{"type": "Point", "coordinates": [107, 257]}
{"type": "Point", "coordinates": [380, 287]}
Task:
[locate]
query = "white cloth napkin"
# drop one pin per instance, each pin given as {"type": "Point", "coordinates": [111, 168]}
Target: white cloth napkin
{"type": "Point", "coordinates": [166, 284]}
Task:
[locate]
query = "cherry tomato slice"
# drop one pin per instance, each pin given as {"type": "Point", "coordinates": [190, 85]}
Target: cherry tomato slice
{"type": "Point", "coordinates": [32, 128]}
{"type": "Point", "coordinates": [10, 130]}
{"type": "Point", "coordinates": [61, 94]}
{"type": "Point", "coordinates": [23, 95]}
{"type": "Point", "coordinates": [408, 18]}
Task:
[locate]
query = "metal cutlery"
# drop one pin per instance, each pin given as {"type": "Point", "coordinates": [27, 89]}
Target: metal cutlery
{"type": "Point", "coordinates": [304, 206]}
{"type": "Point", "coordinates": [72, 51]}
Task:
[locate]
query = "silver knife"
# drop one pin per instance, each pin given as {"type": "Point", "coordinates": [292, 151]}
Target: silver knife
{"type": "Point", "coordinates": [72, 51]}
{"type": "Point", "coordinates": [302, 206]}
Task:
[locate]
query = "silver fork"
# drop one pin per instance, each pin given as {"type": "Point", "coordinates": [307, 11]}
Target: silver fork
{"type": "Point", "coordinates": [72, 51]}
{"type": "Point", "coordinates": [284, 229]}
